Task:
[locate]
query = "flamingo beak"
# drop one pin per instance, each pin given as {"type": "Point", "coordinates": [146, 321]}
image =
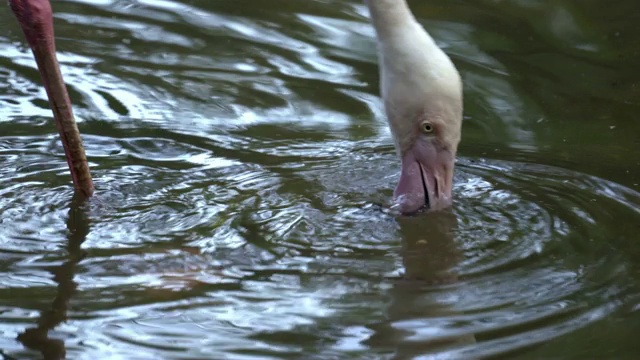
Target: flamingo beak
{"type": "Point", "coordinates": [426, 179]}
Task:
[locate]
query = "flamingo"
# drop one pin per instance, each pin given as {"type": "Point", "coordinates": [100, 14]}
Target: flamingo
{"type": "Point", "coordinates": [422, 94]}
{"type": "Point", "coordinates": [419, 85]}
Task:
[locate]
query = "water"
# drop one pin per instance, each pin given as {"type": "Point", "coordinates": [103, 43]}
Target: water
{"type": "Point", "coordinates": [243, 171]}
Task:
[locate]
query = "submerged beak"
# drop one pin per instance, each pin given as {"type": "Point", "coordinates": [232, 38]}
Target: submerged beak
{"type": "Point", "coordinates": [426, 179]}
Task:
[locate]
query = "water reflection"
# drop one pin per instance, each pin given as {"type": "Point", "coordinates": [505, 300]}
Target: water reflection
{"type": "Point", "coordinates": [416, 313]}
{"type": "Point", "coordinates": [237, 177]}
{"type": "Point", "coordinates": [38, 337]}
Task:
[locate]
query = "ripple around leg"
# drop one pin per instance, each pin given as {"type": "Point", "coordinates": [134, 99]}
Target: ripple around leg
{"type": "Point", "coordinates": [244, 170]}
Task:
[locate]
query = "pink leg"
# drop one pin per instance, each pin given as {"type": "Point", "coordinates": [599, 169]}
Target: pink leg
{"type": "Point", "coordinates": [36, 20]}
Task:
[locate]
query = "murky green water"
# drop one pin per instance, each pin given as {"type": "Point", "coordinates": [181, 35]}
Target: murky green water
{"type": "Point", "coordinates": [243, 168]}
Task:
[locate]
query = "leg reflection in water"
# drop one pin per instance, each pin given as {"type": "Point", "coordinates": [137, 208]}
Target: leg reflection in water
{"type": "Point", "coordinates": [37, 338]}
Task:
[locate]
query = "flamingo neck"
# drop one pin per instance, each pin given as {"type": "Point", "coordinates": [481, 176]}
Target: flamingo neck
{"type": "Point", "coordinates": [390, 17]}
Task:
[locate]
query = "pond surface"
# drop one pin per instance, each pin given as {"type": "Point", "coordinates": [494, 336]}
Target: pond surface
{"type": "Point", "coordinates": [244, 169]}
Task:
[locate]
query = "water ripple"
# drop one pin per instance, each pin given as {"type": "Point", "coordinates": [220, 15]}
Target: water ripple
{"type": "Point", "coordinates": [244, 169]}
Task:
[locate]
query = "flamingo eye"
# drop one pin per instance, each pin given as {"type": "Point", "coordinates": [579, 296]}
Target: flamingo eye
{"type": "Point", "coordinates": [426, 127]}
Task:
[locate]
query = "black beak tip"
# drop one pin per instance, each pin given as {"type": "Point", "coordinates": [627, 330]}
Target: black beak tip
{"type": "Point", "coordinates": [427, 204]}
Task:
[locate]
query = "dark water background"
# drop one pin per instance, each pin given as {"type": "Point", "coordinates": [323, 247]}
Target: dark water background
{"type": "Point", "coordinates": [243, 167]}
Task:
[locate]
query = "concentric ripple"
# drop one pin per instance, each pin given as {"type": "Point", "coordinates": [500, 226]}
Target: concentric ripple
{"type": "Point", "coordinates": [244, 170]}
{"type": "Point", "coordinates": [533, 259]}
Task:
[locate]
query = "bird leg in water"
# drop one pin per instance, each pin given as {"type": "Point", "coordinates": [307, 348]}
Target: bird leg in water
{"type": "Point", "coordinates": [36, 19]}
